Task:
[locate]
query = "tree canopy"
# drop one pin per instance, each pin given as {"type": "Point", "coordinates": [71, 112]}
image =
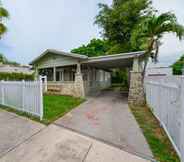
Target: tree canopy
{"type": "Point", "coordinates": [117, 23]}
{"type": "Point", "coordinates": [119, 20]}
{"type": "Point", "coordinates": [3, 15]}
{"type": "Point", "coordinates": [178, 66]}
{"type": "Point", "coordinates": [131, 25]}
{"type": "Point", "coordinates": [147, 35]}
{"type": "Point", "coordinates": [95, 47]}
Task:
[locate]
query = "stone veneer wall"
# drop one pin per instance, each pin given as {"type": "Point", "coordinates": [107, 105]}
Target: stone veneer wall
{"type": "Point", "coordinates": [71, 88]}
{"type": "Point", "coordinates": [136, 90]}
{"type": "Point", "coordinates": [61, 88]}
{"type": "Point", "coordinates": [79, 86]}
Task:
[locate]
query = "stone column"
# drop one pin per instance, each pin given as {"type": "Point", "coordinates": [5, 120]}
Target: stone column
{"type": "Point", "coordinates": [136, 90]}
{"type": "Point", "coordinates": [79, 83]}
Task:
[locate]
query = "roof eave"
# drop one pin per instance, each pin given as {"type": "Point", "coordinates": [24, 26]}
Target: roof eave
{"type": "Point", "coordinates": [115, 57]}
{"type": "Point", "coordinates": [73, 55]}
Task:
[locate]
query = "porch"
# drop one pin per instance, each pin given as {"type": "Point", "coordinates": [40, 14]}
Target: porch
{"type": "Point", "coordinates": [62, 80]}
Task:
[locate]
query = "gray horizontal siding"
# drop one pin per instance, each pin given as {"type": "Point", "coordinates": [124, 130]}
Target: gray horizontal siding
{"type": "Point", "coordinates": [55, 60]}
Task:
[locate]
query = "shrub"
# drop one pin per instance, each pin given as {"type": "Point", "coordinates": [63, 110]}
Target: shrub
{"type": "Point", "coordinates": [16, 76]}
{"type": "Point", "coordinates": [120, 77]}
{"type": "Point", "coordinates": [178, 66]}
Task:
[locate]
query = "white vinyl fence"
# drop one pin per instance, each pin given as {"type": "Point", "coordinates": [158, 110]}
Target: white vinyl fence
{"type": "Point", "coordinates": [23, 96]}
{"type": "Point", "coordinates": [167, 103]}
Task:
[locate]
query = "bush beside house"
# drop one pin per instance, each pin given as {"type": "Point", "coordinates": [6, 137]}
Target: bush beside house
{"type": "Point", "coordinates": [178, 66]}
{"type": "Point", "coordinates": [16, 76]}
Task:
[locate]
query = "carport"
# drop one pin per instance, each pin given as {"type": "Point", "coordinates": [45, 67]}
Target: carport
{"type": "Point", "coordinates": [132, 61]}
{"type": "Point", "coordinates": [55, 64]}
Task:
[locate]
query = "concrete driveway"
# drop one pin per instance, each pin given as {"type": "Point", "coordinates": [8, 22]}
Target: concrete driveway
{"type": "Point", "coordinates": [23, 140]}
{"type": "Point", "coordinates": [15, 130]}
{"type": "Point", "coordinates": [107, 117]}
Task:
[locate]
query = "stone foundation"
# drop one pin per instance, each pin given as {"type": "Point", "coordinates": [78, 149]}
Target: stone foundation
{"type": "Point", "coordinates": [136, 90]}
{"type": "Point", "coordinates": [61, 88]}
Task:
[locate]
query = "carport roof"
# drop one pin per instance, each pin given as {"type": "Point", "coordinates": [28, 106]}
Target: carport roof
{"type": "Point", "coordinates": [113, 61]}
{"type": "Point", "coordinates": [107, 61]}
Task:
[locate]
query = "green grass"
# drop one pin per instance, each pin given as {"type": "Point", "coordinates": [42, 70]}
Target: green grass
{"type": "Point", "coordinates": [55, 106]}
{"type": "Point", "coordinates": [157, 139]}
{"type": "Point", "coordinates": [21, 113]}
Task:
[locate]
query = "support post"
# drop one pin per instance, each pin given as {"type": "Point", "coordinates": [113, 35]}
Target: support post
{"type": "Point", "coordinates": [136, 90]}
{"type": "Point", "coordinates": [79, 83]}
{"type": "Point", "coordinates": [135, 64]}
{"type": "Point", "coordinates": [54, 74]}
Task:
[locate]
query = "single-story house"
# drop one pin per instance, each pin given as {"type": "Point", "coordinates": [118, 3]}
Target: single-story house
{"type": "Point", "coordinates": [7, 68]}
{"type": "Point", "coordinates": [79, 75]}
{"type": "Point", "coordinates": [159, 71]}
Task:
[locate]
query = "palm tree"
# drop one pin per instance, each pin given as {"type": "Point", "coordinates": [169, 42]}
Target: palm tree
{"type": "Point", "coordinates": [3, 14]}
{"type": "Point", "coordinates": [147, 35]}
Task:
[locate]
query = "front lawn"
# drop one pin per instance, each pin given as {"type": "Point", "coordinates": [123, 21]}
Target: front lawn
{"type": "Point", "coordinates": [160, 145]}
{"type": "Point", "coordinates": [57, 106]}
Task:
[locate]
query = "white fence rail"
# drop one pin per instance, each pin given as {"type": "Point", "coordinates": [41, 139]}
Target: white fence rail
{"type": "Point", "coordinates": [167, 103]}
{"type": "Point", "coordinates": [23, 96]}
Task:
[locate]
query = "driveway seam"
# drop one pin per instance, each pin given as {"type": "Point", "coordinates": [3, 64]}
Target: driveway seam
{"type": "Point", "coordinates": [84, 159]}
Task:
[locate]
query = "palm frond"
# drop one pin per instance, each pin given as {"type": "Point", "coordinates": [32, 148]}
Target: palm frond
{"type": "Point", "coordinates": [3, 12]}
{"type": "Point", "coordinates": [3, 29]}
{"type": "Point", "coordinates": [166, 17]}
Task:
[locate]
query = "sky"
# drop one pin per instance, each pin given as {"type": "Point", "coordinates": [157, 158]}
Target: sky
{"type": "Point", "coordinates": [37, 25]}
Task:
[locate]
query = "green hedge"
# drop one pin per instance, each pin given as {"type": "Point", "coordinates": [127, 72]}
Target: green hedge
{"type": "Point", "coordinates": [16, 76]}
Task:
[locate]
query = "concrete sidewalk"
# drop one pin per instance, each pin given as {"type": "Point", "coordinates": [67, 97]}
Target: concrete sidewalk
{"type": "Point", "coordinates": [14, 130]}
{"type": "Point", "coordinates": [56, 144]}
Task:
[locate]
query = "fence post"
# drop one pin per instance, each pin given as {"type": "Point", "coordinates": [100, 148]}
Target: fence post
{"type": "Point", "coordinates": [23, 93]}
{"type": "Point", "coordinates": [182, 120]}
{"type": "Point", "coordinates": [41, 98]}
{"type": "Point", "coordinates": [45, 83]}
{"type": "Point", "coordinates": [2, 91]}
